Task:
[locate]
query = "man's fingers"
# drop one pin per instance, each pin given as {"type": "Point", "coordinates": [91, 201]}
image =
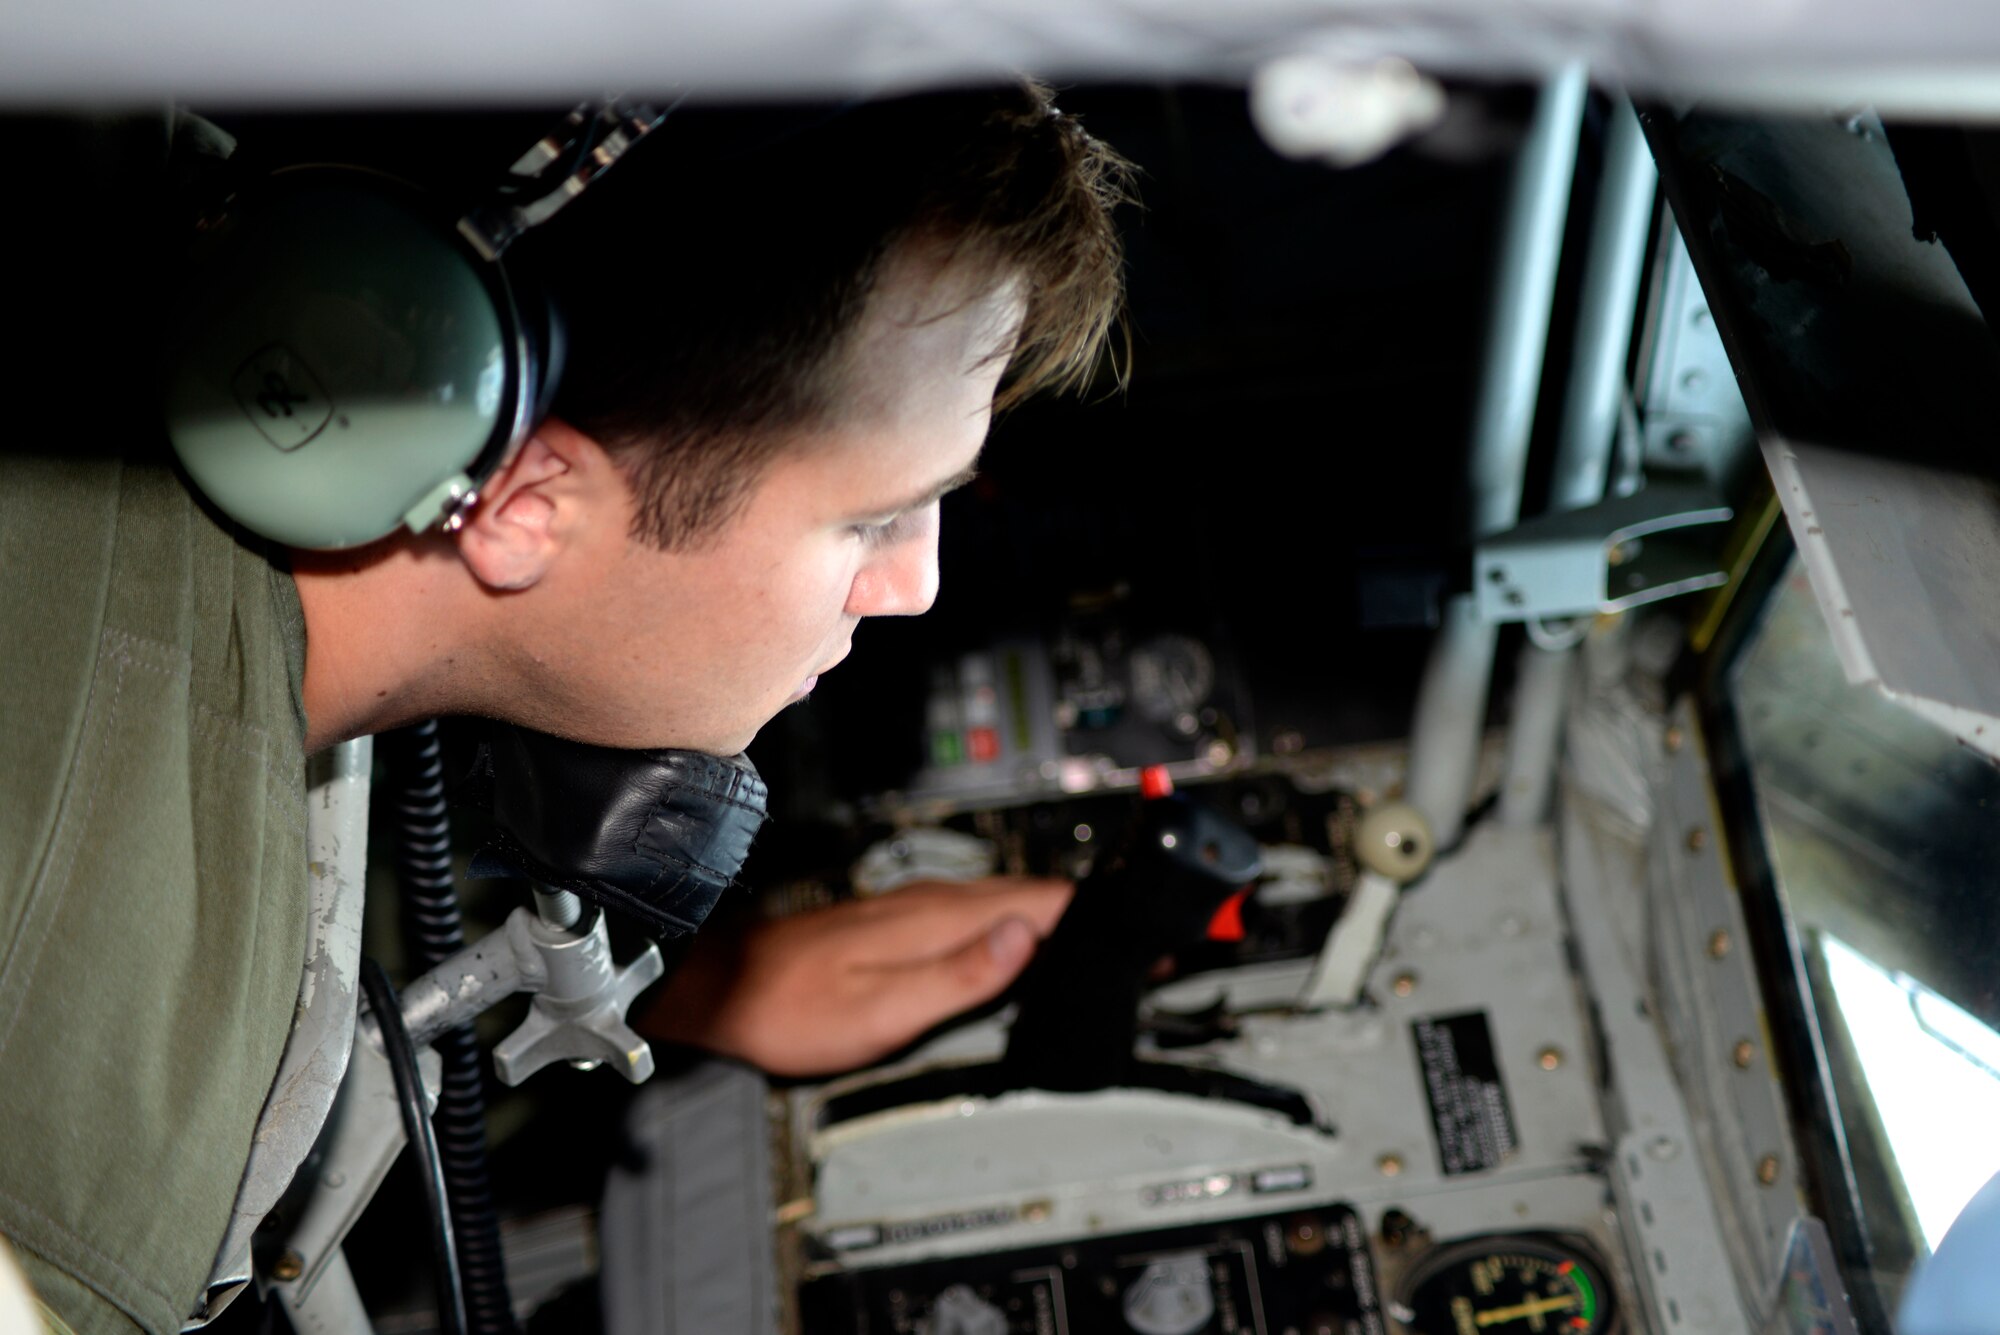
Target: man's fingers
{"type": "Point", "coordinates": [914, 997]}
{"type": "Point", "coordinates": [934, 918]}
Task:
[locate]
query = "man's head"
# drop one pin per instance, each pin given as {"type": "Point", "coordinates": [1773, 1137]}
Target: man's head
{"type": "Point", "coordinates": [785, 342]}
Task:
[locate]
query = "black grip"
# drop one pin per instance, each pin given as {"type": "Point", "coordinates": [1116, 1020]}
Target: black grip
{"type": "Point", "coordinates": [1078, 1004]}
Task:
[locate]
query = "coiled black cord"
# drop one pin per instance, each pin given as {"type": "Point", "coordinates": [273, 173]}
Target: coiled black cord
{"type": "Point", "coordinates": [402, 1056]}
{"type": "Point", "coordinates": [435, 933]}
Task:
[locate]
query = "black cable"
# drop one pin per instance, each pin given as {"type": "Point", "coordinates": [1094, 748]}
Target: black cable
{"type": "Point", "coordinates": [436, 932]}
{"type": "Point", "coordinates": [402, 1056]}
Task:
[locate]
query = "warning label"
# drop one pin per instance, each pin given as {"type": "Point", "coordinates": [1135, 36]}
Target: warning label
{"type": "Point", "coordinates": [1469, 1113]}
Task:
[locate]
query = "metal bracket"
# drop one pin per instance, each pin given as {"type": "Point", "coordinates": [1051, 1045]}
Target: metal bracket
{"type": "Point", "coordinates": [316, 1052]}
{"type": "Point", "coordinates": [580, 1003]}
{"type": "Point", "coordinates": [364, 1136]}
{"type": "Point", "coordinates": [1619, 554]}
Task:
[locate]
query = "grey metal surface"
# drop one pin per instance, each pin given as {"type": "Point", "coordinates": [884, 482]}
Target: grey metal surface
{"type": "Point", "coordinates": [1712, 1008]}
{"type": "Point", "coordinates": [1607, 304]}
{"type": "Point", "coordinates": [581, 996]}
{"type": "Point", "coordinates": [316, 1051]}
{"type": "Point", "coordinates": [1451, 696]}
{"type": "Point", "coordinates": [1594, 397]}
{"type": "Point", "coordinates": [1618, 554]}
{"type": "Point", "coordinates": [1483, 932]}
{"type": "Point", "coordinates": [333, 1307]}
{"type": "Point", "coordinates": [687, 1218]}
{"type": "Point", "coordinates": [1928, 54]}
{"type": "Point", "coordinates": [578, 1013]}
{"type": "Point", "coordinates": [1870, 372]}
{"type": "Point", "coordinates": [1894, 550]}
{"type": "Point", "coordinates": [363, 1138]}
{"type": "Point", "coordinates": [1666, 1204]}
{"type": "Point", "coordinates": [1692, 416]}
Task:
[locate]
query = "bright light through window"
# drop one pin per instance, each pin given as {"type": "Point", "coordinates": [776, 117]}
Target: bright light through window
{"type": "Point", "coordinates": [1934, 1073]}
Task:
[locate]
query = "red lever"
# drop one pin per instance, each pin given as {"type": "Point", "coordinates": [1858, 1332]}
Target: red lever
{"type": "Point", "coordinates": [1227, 924]}
{"type": "Point", "coordinates": [1155, 782]}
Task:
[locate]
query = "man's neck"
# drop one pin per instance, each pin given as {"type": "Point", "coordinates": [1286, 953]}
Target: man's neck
{"type": "Point", "coordinates": [388, 638]}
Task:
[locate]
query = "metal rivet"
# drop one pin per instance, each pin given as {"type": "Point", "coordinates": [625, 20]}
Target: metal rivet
{"type": "Point", "coordinates": [1036, 1212]}
{"type": "Point", "coordinates": [1744, 1053]}
{"type": "Point", "coordinates": [288, 1267]}
{"type": "Point", "coordinates": [1390, 1164]}
{"type": "Point", "coordinates": [1549, 1058]}
{"type": "Point", "coordinates": [1697, 839]}
{"type": "Point", "coordinates": [1767, 1170]}
{"type": "Point", "coordinates": [1718, 944]}
{"type": "Point", "coordinates": [1675, 739]}
{"type": "Point", "coordinates": [1404, 985]}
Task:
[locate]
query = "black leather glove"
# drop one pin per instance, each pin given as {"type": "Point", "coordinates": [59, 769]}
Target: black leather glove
{"type": "Point", "coordinates": [656, 834]}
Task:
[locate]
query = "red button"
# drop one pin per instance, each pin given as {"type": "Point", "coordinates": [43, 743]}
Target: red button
{"type": "Point", "coordinates": [1154, 781]}
{"type": "Point", "coordinates": [1227, 924]}
{"type": "Point", "coordinates": [983, 744]}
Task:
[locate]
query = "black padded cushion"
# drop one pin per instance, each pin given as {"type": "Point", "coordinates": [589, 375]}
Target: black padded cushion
{"type": "Point", "coordinates": [655, 834]}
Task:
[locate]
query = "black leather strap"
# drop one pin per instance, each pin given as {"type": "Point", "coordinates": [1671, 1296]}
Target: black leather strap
{"type": "Point", "coordinates": [655, 834]}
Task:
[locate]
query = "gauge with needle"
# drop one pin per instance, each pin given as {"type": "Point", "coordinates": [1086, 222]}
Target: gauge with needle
{"type": "Point", "coordinates": [1508, 1285]}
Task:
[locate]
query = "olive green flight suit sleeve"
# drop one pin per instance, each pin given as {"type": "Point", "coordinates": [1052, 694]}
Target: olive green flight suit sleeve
{"type": "Point", "coordinates": [152, 879]}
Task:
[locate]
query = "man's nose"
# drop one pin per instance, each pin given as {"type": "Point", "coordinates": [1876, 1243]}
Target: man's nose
{"type": "Point", "coordinates": [901, 582]}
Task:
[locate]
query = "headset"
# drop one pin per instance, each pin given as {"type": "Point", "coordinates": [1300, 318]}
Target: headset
{"type": "Point", "coordinates": [348, 360]}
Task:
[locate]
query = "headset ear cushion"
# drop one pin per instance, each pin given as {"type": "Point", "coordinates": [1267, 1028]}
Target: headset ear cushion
{"type": "Point", "coordinates": [548, 344]}
{"type": "Point", "coordinates": [343, 364]}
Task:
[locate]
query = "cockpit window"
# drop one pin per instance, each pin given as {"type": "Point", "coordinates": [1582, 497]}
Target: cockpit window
{"type": "Point", "coordinates": [1882, 839]}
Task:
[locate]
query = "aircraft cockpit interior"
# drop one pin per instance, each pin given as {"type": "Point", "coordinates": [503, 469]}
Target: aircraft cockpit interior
{"type": "Point", "coordinates": [1504, 653]}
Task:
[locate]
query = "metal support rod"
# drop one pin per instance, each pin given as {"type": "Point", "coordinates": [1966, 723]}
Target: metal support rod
{"type": "Point", "coordinates": [458, 990]}
{"type": "Point", "coordinates": [1593, 400]}
{"type": "Point", "coordinates": [1607, 306]}
{"type": "Point", "coordinates": [558, 908]}
{"type": "Point", "coordinates": [1451, 699]}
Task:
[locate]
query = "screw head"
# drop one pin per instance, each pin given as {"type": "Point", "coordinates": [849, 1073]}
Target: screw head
{"type": "Point", "coordinates": [1549, 1058]}
{"type": "Point", "coordinates": [1675, 740]}
{"type": "Point", "coordinates": [1718, 944]}
{"type": "Point", "coordinates": [1743, 1054]}
{"type": "Point", "coordinates": [288, 1267]}
{"type": "Point", "coordinates": [1404, 984]}
{"type": "Point", "coordinates": [1390, 1165]}
{"type": "Point", "coordinates": [1036, 1212]}
{"type": "Point", "coordinates": [1767, 1170]}
{"type": "Point", "coordinates": [1697, 839]}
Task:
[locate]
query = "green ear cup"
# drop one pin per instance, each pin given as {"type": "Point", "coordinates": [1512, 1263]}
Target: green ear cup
{"type": "Point", "coordinates": [345, 365]}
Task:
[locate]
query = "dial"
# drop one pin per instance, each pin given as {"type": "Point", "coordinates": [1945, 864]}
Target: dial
{"type": "Point", "coordinates": [960, 1311]}
{"type": "Point", "coordinates": [1172, 1296]}
{"type": "Point", "coordinates": [1506, 1285]}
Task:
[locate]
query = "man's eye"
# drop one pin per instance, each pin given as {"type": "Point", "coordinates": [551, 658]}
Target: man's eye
{"type": "Point", "coordinates": [878, 535]}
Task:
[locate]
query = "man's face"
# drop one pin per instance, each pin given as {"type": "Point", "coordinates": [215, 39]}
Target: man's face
{"type": "Point", "coordinates": [700, 648]}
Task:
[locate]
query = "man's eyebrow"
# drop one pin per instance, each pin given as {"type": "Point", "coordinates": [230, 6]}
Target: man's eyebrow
{"type": "Point", "coordinates": [952, 483]}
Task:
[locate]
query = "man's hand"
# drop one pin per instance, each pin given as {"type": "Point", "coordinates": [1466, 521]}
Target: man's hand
{"type": "Point", "coordinates": [836, 989]}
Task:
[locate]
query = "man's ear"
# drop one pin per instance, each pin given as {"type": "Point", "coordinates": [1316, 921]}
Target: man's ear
{"type": "Point", "coordinates": [529, 510]}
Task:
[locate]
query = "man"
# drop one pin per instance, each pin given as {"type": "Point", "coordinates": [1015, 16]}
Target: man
{"type": "Point", "coordinates": [785, 347]}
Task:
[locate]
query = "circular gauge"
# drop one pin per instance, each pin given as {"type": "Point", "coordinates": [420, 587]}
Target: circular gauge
{"type": "Point", "coordinates": [960, 1311]}
{"type": "Point", "coordinates": [1508, 1285]}
{"type": "Point", "coordinates": [1172, 678]}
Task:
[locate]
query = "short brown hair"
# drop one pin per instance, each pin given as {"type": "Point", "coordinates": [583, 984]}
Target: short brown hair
{"type": "Point", "coordinates": [710, 282]}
